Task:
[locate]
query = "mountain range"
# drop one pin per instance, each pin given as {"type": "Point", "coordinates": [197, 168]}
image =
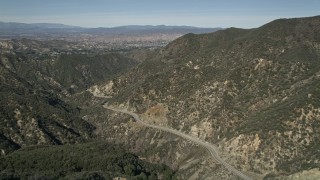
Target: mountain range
{"type": "Point", "coordinates": [8, 29]}
{"type": "Point", "coordinates": [254, 93]}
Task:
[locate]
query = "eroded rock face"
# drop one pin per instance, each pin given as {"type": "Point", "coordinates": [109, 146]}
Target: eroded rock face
{"type": "Point", "coordinates": [157, 114]}
{"type": "Point", "coordinates": [106, 91]}
{"type": "Point", "coordinates": [307, 175]}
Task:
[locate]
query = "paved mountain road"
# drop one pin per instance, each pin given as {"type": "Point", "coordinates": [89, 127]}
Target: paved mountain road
{"type": "Point", "coordinates": [210, 147]}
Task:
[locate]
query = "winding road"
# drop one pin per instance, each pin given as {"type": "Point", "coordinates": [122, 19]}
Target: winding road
{"type": "Point", "coordinates": [210, 147]}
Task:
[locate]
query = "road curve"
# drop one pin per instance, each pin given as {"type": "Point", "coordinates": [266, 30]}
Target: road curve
{"type": "Point", "coordinates": [210, 147]}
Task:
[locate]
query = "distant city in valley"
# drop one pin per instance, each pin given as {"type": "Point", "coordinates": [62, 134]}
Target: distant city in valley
{"type": "Point", "coordinates": [117, 38]}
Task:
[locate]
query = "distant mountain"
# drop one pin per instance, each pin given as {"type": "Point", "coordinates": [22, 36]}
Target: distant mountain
{"type": "Point", "coordinates": [45, 30]}
{"type": "Point", "coordinates": [135, 29]}
{"type": "Point", "coordinates": [12, 30]}
{"type": "Point", "coordinates": [14, 25]}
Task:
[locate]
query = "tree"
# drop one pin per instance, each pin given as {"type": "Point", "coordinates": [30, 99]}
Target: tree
{"type": "Point", "coordinates": [129, 169]}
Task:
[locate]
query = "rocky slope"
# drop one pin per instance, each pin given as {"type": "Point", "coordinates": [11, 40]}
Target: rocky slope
{"type": "Point", "coordinates": [253, 92]}
{"type": "Point", "coordinates": [34, 78]}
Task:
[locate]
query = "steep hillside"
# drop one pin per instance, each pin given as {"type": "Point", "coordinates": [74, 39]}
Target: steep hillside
{"type": "Point", "coordinates": [34, 79]}
{"type": "Point", "coordinates": [253, 92]}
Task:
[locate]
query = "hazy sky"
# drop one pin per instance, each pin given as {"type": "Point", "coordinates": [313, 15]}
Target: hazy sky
{"type": "Point", "coordinates": [109, 13]}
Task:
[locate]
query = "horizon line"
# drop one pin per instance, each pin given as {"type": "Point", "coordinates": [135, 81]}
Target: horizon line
{"type": "Point", "coordinates": [141, 25]}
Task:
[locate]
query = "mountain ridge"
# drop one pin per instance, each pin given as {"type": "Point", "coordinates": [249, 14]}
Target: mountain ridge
{"type": "Point", "coordinates": [11, 25]}
{"type": "Point", "coordinates": [247, 90]}
{"type": "Point", "coordinates": [23, 28]}
{"type": "Point", "coordinates": [59, 25]}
